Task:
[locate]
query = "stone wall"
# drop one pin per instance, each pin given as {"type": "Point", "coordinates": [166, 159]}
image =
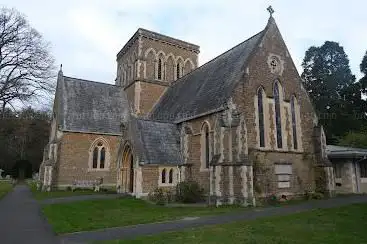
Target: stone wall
{"type": "Point", "coordinates": [193, 152]}
{"type": "Point", "coordinates": [150, 178]}
{"type": "Point", "coordinates": [259, 73]}
{"type": "Point", "coordinates": [127, 65]}
{"type": "Point", "coordinates": [149, 95]}
{"type": "Point", "coordinates": [73, 160]}
{"type": "Point", "coordinates": [138, 67]}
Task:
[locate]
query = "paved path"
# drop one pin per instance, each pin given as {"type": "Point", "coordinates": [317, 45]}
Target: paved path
{"type": "Point", "coordinates": [154, 228]}
{"type": "Point", "coordinates": [21, 221]}
{"type": "Point", "coordinates": [80, 198]}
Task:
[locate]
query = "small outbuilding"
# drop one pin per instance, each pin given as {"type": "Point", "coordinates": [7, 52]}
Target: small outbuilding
{"type": "Point", "coordinates": [350, 168]}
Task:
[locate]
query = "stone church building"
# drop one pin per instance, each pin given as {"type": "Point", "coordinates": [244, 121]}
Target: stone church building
{"type": "Point", "coordinates": [241, 125]}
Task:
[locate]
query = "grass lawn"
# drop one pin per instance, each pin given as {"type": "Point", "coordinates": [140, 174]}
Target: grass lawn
{"type": "Point", "coordinates": [5, 187]}
{"type": "Point", "coordinates": [338, 225]}
{"type": "Point", "coordinates": [98, 214]}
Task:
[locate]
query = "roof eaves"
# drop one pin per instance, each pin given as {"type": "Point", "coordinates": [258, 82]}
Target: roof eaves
{"type": "Point", "coordinates": [91, 132]}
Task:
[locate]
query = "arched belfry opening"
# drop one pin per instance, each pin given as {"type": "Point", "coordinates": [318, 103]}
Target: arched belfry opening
{"type": "Point", "coordinates": [127, 170]}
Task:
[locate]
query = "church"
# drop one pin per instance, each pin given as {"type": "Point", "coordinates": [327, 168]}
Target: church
{"type": "Point", "coordinates": [240, 125]}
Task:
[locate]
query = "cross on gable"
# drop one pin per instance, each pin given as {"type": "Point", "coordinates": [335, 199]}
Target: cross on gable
{"type": "Point", "coordinates": [270, 10]}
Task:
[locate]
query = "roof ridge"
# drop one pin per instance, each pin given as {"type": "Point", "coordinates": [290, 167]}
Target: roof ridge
{"type": "Point", "coordinates": [215, 58]}
{"type": "Point", "coordinates": [91, 81]}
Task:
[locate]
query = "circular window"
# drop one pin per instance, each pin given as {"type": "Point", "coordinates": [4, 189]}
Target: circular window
{"type": "Point", "coordinates": [274, 64]}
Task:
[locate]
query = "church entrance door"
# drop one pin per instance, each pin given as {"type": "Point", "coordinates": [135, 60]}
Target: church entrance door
{"type": "Point", "coordinates": [127, 171]}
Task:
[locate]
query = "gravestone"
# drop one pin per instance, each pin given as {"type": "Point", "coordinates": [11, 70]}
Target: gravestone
{"type": "Point", "coordinates": [7, 177]}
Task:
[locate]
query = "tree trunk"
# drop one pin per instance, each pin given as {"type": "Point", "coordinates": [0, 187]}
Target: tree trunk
{"type": "Point", "coordinates": [3, 110]}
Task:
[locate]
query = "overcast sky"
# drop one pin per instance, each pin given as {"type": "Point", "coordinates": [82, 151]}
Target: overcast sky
{"type": "Point", "coordinates": [87, 34]}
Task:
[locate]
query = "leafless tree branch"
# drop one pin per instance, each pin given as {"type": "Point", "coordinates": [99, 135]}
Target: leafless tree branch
{"type": "Point", "coordinates": [26, 66]}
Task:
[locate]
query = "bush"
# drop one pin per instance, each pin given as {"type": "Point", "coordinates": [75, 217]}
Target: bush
{"type": "Point", "coordinates": [317, 195]}
{"type": "Point", "coordinates": [308, 195]}
{"type": "Point", "coordinates": [189, 192]}
{"type": "Point", "coordinates": [161, 196]}
{"type": "Point", "coordinates": [272, 200]}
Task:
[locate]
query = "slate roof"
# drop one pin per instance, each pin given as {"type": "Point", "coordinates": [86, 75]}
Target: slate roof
{"type": "Point", "coordinates": [345, 152]}
{"type": "Point", "coordinates": [88, 106]}
{"type": "Point", "coordinates": [155, 142]}
{"type": "Point", "coordinates": [208, 87]}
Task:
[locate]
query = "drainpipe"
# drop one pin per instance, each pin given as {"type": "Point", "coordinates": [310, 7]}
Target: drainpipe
{"type": "Point", "coordinates": [210, 185]}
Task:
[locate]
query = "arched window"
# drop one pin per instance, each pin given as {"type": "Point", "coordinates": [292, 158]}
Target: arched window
{"type": "Point", "coordinates": [205, 146]}
{"type": "Point", "coordinates": [102, 158]}
{"type": "Point", "coordinates": [95, 158]}
{"type": "Point", "coordinates": [170, 176]}
{"type": "Point", "coordinates": [178, 71]}
{"type": "Point", "coordinates": [160, 70]}
{"type": "Point", "coordinates": [260, 106]}
{"type": "Point", "coordinates": [99, 155]}
{"type": "Point", "coordinates": [278, 119]}
{"type": "Point", "coordinates": [294, 123]}
{"type": "Point", "coordinates": [164, 176]}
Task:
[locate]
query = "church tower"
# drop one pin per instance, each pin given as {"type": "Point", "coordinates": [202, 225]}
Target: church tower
{"type": "Point", "coordinates": [149, 63]}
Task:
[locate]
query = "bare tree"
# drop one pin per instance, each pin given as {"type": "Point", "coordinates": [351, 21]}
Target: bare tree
{"type": "Point", "coordinates": [26, 66]}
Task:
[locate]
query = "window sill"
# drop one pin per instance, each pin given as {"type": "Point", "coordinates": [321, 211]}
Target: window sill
{"type": "Point", "coordinates": [98, 170]}
{"type": "Point", "coordinates": [166, 184]}
{"type": "Point", "coordinates": [266, 149]}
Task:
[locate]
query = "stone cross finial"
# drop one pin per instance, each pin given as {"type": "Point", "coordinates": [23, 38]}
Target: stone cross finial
{"type": "Point", "coordinates": [270, 10]}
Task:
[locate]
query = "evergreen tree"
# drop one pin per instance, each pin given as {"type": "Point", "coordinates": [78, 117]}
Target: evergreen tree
{"type": "Point", "coordinates": [363, 80]}
{"type": "Point", "coordinates": [332, 88]}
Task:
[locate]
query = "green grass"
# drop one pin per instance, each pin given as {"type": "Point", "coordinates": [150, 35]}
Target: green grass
{"type": "Point", "coordinates": [98, 214]}
{"type": "Point", "coordinates": [5, 187]}
{"type": "Point", "coordinates": [338, 225]}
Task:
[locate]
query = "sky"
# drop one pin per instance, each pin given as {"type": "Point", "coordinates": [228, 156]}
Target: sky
{"type": "Point", "coordinates": [85, 35]}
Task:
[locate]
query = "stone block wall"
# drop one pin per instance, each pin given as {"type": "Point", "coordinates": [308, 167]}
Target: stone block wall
{"type": "Point", "coordinates": [73, 160]}
{"type": "Point", "coordinates": [150, 178]}
{"type": "Point", "coordinates": [150, 93]}
{"type": "Point", "coordinates": [266, 181]}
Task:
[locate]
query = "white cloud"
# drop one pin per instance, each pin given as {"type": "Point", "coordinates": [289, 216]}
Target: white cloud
{"type": "Point", "coordinates": [86, 35]}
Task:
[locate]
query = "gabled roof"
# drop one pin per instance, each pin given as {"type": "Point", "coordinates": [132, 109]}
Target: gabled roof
{"type": "Point", "coordinates": [345, 152]}
{"type": "Point", "coordinates": [155, 142]}
{"type": "Point", "coordinates": [92, 107]}
{"type": "Point", "coordinates": [208, 87]}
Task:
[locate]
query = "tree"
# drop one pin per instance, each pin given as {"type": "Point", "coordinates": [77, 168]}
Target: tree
{"type": "Point", "coordinates": [23, 136]}
{"type": "Point", "coordinates": [354, 139]}
{"type": "Point", "coordinates": [26, 66]}
{"type": "Point", "coordinates": [363, 80]}
{"type": "Point", "coordinates": [332, 88]}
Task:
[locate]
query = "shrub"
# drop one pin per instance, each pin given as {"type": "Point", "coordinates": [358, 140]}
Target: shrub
{"type": "Point", "coordinates": [189, 192]}
{"type": "Point", "coordinates": [161, 196]}
{"type": "Point", "coordinates": [272, 199]}
{"type": "Point", "coordinates": [317, 195]}
{"type": "Point", "coordinates": [308, 195]}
